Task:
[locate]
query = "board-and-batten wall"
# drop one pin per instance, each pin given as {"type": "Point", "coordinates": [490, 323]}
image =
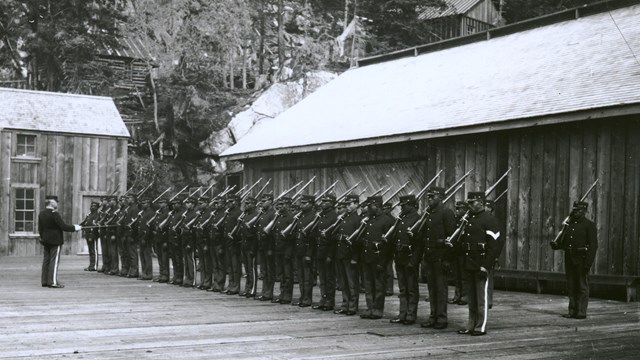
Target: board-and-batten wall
{"type": "Point", "coordinates": [71, 167]}
{"type": "Point", "coordinates": [551, 167]}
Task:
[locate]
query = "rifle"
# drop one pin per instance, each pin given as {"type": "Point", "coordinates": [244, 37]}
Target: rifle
{"type": "Point", "coordinates": [347, 192]}
{"type": "Point", "coordinates": [296, 196]}
{"type": "Point", "coordinates": [187, 198]}
{"type": "Point", "coordinates": [556, 243]}
{"type": "Point", "coordinates": [501, 195]}
{"type": "Point", "coordinates": [246, 193]}
{"type": "Point", "coordinates": [144, 190]}
{"type": "Point", "coordinates": [202, 194]}
{"type": "Point", "coordinates": [395, 193]}
{"type": "Point", "coordinates": [141, 211]}
{"type": "Point", "coordinates": [267, 229]}
{"type": "Point", "coordinates": [423, 191]}
{"type": "Point", "coordinates": [164, 222]}
{"type": "Point", "coordinates": [312, 225]}
{"type": "Point", "coordinates": [465, 218]}
{"type": "Point", "coordinates": [264, 187]}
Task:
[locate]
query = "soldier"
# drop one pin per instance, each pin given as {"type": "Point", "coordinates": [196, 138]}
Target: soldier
{"type": "Point", "coordinates": [481, 244]}
{"type": "Point", "coordinates": [460, 296]}
{"type": "Point", "coordinates": [233, 257]}
{"type": "Point", "coordinates": [145, 235]}
{"type": "Point", "coordinates": [489, 206]}
{"type": "Point", "coordinates": [111, 235]}
{"type": "Point", "coordinates": [172, 227]}
{"type": "Point", "coordinates": [264, 248]}
{"type": "Point", "coordinates": [218, 269]}
{"type": "Point", "coordinates": [187, 242]}
{"type": "Point", "coordinates": [325, 253]}
{"type": "Point", "coordinates": [375, 255]}
{"type": "Point", "coordinates": [304, 249]}
{"type": "Point", "coordinates": [91, 235]}
{"type": "Point", "coordinates": [439, 225]}
{"type": "Point", "coordinates": [123, 246]}
{"type": "Point", "coordinates": [161, 241]}
{"type": "Point", "coordinates": [389, 276]}
{"type": "Point", "coordinates": [347, 256]}
{"type": "Point", "coordinates": [579, 242]}
{"type": "Point", "coordinates": [407, 258]}
{"type": "Point", "coordinates": [102, 233]}
{"type": "Point", "coordinates": [202, 239]}
{"type": "Point", "coordinates": [130, 236]}
{"type": "Point", "coordinates": [249, 247]}
{"type": "Point", "coordinates": [283, 250]}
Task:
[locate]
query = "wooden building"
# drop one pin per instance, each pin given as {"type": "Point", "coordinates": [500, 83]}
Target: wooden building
{"type": "Point", "coordinates": [460, 18]}
{"type": "Point", "coordinates": [73, 146]}
{"type": "Point", "coordinates": [555, 100]}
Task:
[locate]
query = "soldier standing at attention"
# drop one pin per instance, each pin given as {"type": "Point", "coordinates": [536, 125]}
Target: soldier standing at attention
{"type": "Point", "coordinates": [91, 235]}
{"type": "Point", "coordinates": [265, 253]}
{"type": "Point", "coordinates": [201, 236]}
{"type": "Point", "coordinates": [407, 258]}
{"type": "Point", "coordinates": [50, 227]}
{"type": "Point", "coordinates": [160, 240]}
{"type": "Point", "coordinates": [173, 239]}
{"type": "Point", "coordinates": [325, 252]}
{"type": "Point", "coordinates": [111, 236]}
{"type": "Point", "coordinates": [375, 255]}
{"type": "Point", "coordinates": [304, 250]}
{"type": "Point", "coordinates": [460, 296]}
{"type": "Point", "coordinates": [232, 245]}
{"type": "Point", "coordinates": [102, 233]}
{"type": "Point", "coordinates": [216, 246]}
{"type": "Point", "coordinates": [130, 236]}
{"type": "Point", "coordinates": [439, 225]}
{"type": "Point", "coordinates": [249, 249]}
{"type": "Point", "coordinates": [283, 251]}
{"type": "Point", "coordinates": [188, 243]}
{"type": "Point", "coordinates": [145, 236]}
{"type": "Point", "coordinates": [347, 257]}
{"type": "Point", "coordinates": [481, 244]}
{"type": "Point", "coordinates": [579, 242]}
{"type": "Point", "coordinates": [123, 245]}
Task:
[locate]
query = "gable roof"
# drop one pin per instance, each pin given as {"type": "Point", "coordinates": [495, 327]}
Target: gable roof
{"type": "Point", "coordinates": [454, 7]}
{"type": "Point", "coordinates": [60, 113]}
{"type": "Point", "coordinates": [579, 68]}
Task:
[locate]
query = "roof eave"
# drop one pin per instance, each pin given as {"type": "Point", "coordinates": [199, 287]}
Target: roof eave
{"type": "Point", "coordinates": [598, 113]}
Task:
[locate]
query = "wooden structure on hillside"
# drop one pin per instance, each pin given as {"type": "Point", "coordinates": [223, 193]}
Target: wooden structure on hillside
{"type": "Point", "coordinates": [559, 122]}
{"type": "Point", "coordinates": [73, 146]}
{"type": "Point", "coordinates": [460, 18]}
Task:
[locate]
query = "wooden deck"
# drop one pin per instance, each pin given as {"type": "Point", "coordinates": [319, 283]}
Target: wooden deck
{"type": "Point", "coordinates": [98, 316]}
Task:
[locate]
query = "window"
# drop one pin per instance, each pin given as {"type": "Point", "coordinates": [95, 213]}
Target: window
{"type": "Point", "coordinates": [25, 211]}
{"type": "Point", "coordinates": [26, 145]}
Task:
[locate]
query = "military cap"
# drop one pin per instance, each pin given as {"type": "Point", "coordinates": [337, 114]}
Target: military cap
{"type": "Point", "coordinates": [204, 199]}
{"type": "Point", "coordinates": [307, 198]}
{"type": "Point", "coordinates": [233, 197]}
{"type": "Point", "coordinates": [435, 190]}
{"type": "Point", "coordinates": [191, 199]}
{"type": "Point", "coordinates": [490, 203]}
{"type": "Point", "coordinates": [95, 203]}
{"type": "Point", "coordinates": [145, 199]}
{"type": "Point", "coordinates": [374, 200]}
{"type": "Point", "coordinates": [178, 199]}
{"type": "Point", "coordinates": [163, 200]}
{"type": "Point", "coordinates": [329, 197]}
{"type": "Point", "coordinates": [409, 200]}
{"type": "Point", "coordinates": [352, 198]}
{"type": "Point", "coordinates": [104, 197]}
{"type": "Point", "coordinates": [51, 197]}
{"type": "Point", "coordinates": [461, 205]}
{"type": "Point", "coordinates": [475, 196]}
{"type": "Point", "coordinates": [267, 196]}
{"type": "Point", "coordinates": [131, 196]}
{"type": "Point", "coordinates": [285, 200]}
{"type": "Point", "coordinates": [580, 205]}
{"type": "Point", "coordinates": [250, 199]}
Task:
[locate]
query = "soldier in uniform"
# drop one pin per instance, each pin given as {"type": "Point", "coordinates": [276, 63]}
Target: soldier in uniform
{"type": "Point", "coordinates": [160, 240]}
{"type": "Point", "coordinates": [579, 242]}
{"type": "Point", "coordinates": [325, 253]}
{"type": "Point", "coordinates": [439, 225]}
{"type": "Point", "coordinates": [216, 246]}
{"type": "Point", "coordinates": [121, 237]}
{"type": "Point", "coordinates": [201, 239]}
{"type": "Point", "coordinates": [91, 235]}
{"type": "Point", "coordinates": [407, 258]}
{"type": "Point", "coordinates": [233, 257]}
{"type": "Point", "coordinates": [489, 206]}
{"type": "Point", "coordinates": [304, 249]}
{"type": "Point", "coordinates": [249, 247]}
{"type": "Point", "coordinates": [111, 235]}
{"type": "Point", "coordinates": [130, 236]}
{"type": "Point", "coordinates": [187, 242]}
{"type": "Point", "coordinates": [145, 235]}
{"type": "Point", "coordinates": [102, 233]}
{"type": "Point", "coordinates": [481, 244]}
{"type": "Point", "coordinates": [283, 250]}
{"type": "Point", "coordinates": [265, 248]}
{"type": "Point", "coordinates": [375, 255]}
{"type": "Point", "coordinates": [460, 296]}
{"type": "Point", "coordinates": [347, 256]}
{"type": "Point", "coordinates": [173, 240]}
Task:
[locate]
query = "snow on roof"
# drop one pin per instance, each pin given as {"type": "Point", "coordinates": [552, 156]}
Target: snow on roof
{"type": "Point", "coordinates": [582, 64]}
{"type": "Point", "coordinates": [60, 113]}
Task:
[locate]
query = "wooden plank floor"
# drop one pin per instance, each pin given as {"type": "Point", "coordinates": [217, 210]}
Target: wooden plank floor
{"type": "Point", "coordinates": [98, 317]}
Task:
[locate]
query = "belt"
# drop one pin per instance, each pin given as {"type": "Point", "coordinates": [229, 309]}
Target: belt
{"type": "Point", "coordinates": [578, 251]}
{"type": "Point", "coordinates": [472, 246]}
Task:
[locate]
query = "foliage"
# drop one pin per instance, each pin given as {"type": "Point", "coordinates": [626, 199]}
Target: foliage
{"type": "Point", "coordinates": [519, 10]}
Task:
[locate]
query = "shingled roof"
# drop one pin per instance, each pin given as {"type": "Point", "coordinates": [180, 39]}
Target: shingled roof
{"type": "Point", "coordinates": [60, 113]}
{"type": "Point", "coordinates": [566, 71]}
{"type": "Point", "coordinates": [453, 7]}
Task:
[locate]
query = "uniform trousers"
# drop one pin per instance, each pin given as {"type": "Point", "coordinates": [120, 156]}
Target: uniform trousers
{"type": "Point", "coordinates": [104, 245]}
{"type": "Point", "coordinates": [269, 267]}
{"type": "Point", "coordinates": [123, 251]}
{"type": "Point", "coordinates": [50, 263]}
{"type": "Point", "coordinates": [389, 278]}
{"type": "Point", "coordinates": [409, 291]}
{"type": "Point", "coordinates": [113, 252]}
{"type": "Point", "coordinates": [374, 288]}
{"type": "Point", "coordinates": [146, 261]}
{"type": "Point", "coordinates": [233, 258]}
{"type": "Point", "coordinates": [176, 256]}
{"type": "Point", "coordinates": [162, 253]}
{"type": "Point", "coordinates": [92, 245]}
{"type": "Point", "coordinates": [461, 289]}
{"type": "Point", "coordinates": [477, 295]}
{"type": "Point", "coordinates": [204, 258]}
{"type": "Point", "coordinates": [218, 266]}
{"type": "Point", "coordinates": [188, 256]}
{"type": "Point", "coordinates": [327, 274]}
{"type": "Point", "coordinates": [578, 286]}
{"type": "Point", "coordinates": [349, 280]}
{"type": "Point", "coordinates": [438, 291]}
{"type": "Point", "coordinates": [284, 264]}
{"type": "Point", "coordinates": [132, 244]}
{"type": "Point", "coordinates": [251, 269]}
{"type": "Point", "coordinates": [305, 280]}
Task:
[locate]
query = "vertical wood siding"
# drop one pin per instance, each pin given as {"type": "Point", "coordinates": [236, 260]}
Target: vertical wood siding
{"type": "Point", "coordinates": [71, 167]}
{"type": "Point", "coordinates": [552, 166]}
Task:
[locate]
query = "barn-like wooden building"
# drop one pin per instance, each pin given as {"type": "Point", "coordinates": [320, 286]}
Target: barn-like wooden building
{"type": "Point", "coordinates": [73, 146]}
{"type": "Point", "coordinates": [557, 100]}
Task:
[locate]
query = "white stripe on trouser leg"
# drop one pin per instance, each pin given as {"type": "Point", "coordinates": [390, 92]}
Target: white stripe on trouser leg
{"type": "Point", "coordinates": [55, 267]}
{"type": "Point", "coordinates": [485, 293]}
{"type": "Point", "coordinates": [195, 266]}
{"type": "Point", "coordinates": [254, 266]}
{"type": "Point", "coordinates": [95, 251]}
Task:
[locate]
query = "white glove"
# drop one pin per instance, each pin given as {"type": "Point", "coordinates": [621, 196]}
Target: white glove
{"type": "Point", "coordinates": [77, 227]}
